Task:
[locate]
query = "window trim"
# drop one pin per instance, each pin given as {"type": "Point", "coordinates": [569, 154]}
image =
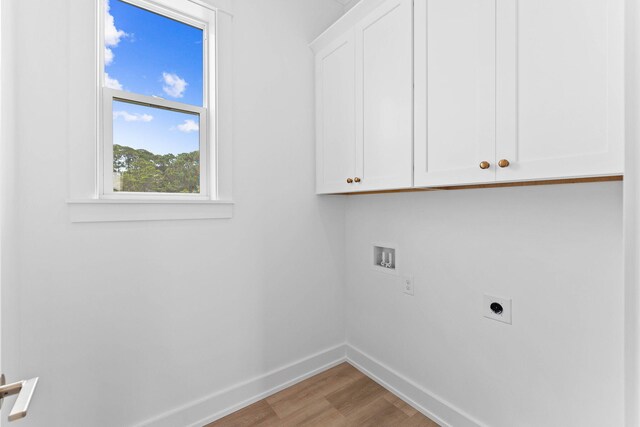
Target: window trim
{"type": "Point", "coordinates": [83, 203]}
{"type": "Point", "coordinates": [108, 96]}
{"type": "Point", "coordinates": [208, 122]}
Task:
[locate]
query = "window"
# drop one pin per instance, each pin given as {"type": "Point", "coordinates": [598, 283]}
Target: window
{"type": "Point", "coordinates": [157, 130]}
{"type": "Point", "coordinates": [150, 118]}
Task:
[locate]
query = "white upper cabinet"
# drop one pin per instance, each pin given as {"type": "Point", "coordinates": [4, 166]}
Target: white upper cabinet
{"type": "Point", "coordinates": [454, 92]}
{"type": "Point", "coordinates": [518, 90]}
{"type": "Point", "coordinates": [364, 96]}
{"type": "Point", "coordinates": [431, 93]}
{"type": "Point", "coordinates": [384, 93]}
{"type": "Point", "coordinates": [560, 83]}
{"type": "Point", "coordinates": [335, 116]}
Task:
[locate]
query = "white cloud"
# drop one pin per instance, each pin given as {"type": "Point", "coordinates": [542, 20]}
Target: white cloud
{"type": "Point", "coordinates": [112, 35]}
{"type": "Point", "coordinates": [128, 117]}
{"type": "Point", "coordinates": [108, 56]}
{"type": "Point", "coordinates": [111, 82]}
{"type": "Point", "coordinates": [174, 86]}
{"type": "Point", "coordinates": [188, 126]}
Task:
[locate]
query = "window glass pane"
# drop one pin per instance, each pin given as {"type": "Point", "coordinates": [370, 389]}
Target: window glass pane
{"type": "Point", "coordinates": [155, 150]}
{"type": "Point", "coordinates": [152, 55]}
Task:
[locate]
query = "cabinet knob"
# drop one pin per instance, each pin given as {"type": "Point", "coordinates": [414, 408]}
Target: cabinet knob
{"type": "Point", "coordinates": [504, 163]}
{"type": "Point", "coordinates": [349, 181]}
{"type": "Point", "coordinates": [484, 165]}
{"type": "Point", "coordinates": [356, 179]}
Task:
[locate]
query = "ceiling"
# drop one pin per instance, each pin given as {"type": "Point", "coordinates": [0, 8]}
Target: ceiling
{"type": "Point", "coordinates": [347, 3]}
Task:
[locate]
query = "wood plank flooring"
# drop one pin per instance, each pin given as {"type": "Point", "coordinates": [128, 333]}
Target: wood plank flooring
{"type": "Point", "coordinates": [339, 397]}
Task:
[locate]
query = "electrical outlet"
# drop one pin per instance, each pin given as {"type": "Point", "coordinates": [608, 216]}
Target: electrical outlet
{"type": "Point", "coordinates": [497, 308]}
{"type": "Point", "coordinates": [407, 285]}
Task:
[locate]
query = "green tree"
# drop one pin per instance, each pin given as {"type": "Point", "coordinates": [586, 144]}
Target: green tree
{"type": "Point", "coordinates": [146, 172]}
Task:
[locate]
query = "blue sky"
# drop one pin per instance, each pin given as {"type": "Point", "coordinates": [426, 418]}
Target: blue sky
{"type": "Point", "coordinates": [154, 129]}
{"type": "Point", "coordinates": [153, 55]}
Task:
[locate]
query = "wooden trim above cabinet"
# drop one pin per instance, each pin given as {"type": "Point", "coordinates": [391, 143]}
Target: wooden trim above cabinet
{"type": "Point", "coordinates": [496, 185]}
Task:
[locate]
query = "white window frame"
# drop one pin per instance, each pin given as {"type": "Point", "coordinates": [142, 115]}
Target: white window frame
{"type": "Point", "coordinates": [206, 113]}
{"type": "Point", "coordinates": [85, 202]}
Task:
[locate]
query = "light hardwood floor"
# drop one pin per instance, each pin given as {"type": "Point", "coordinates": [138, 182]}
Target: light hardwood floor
{"type": "Point", "coordinates": [341, 396]}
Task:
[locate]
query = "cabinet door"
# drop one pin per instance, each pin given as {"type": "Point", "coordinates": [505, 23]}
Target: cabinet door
{"type": "Point", "coordinates": [454, 92]}
{"type": "Point", "coordinates": [335, 116]}
{"type": "Point", "coordinates": [384, 93]}
{"type": "Point", "coordinates": [560, 88]}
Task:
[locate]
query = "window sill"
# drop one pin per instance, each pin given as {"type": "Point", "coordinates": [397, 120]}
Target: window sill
{"type": "Point", "coordinates": [100, 210]}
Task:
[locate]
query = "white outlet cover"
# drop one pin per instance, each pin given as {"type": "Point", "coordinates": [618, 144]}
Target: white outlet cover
{"type": "Point", "coordinates": [504, 316]}
{"type": "Point", "coordinates": [407, 285]}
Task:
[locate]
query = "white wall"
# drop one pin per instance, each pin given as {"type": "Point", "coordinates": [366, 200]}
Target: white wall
{"type": "Point", "coordinates": [631, 213]}
{"type": "Point", "coordinates": [556, 250]}
{"type": "Point", "coordinates": [123, 321]}
{"type": "Point", "coordinates": [110, 326]}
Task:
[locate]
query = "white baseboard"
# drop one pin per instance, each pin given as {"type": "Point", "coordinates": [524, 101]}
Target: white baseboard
{"type": "Point", "coordinates": [215, 406]}
{"type": "Point", "coordinates": [224, 402]}
{"type": "Point", "coordinates": [434, 407]}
